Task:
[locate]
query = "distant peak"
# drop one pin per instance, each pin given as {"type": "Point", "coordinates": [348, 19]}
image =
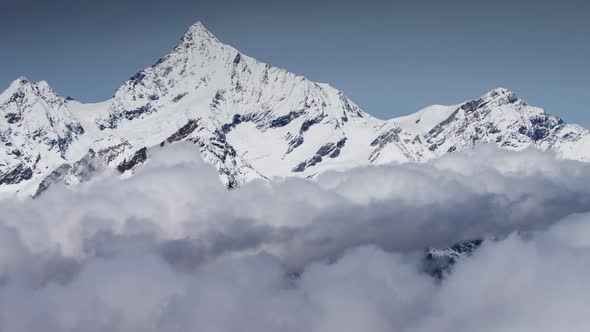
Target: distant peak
{"type": "Point", "coordinates": [197, 27]}
{"type": "Point", "coordinates": [24, 85]}
{"type": "Point", "coordinates": [20, 81]}
{"type": "Point", "coordinates": [501, 93]}
{"type": "Point", "coordinates": [197, 33]}
{"type": "Point", "coordinates": [23, 81]}
{"type": "Point", "coordinates": [17, 84]}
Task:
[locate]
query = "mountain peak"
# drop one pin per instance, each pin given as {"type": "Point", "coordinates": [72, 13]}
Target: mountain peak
{"type": "Point", "coordinates": [24, 88]}
{"type": "Point", "coordinates": [21, 80]}
{"type": "Point", "coordinates": [501, 95]}
{"type": "Point", "coordinates": [197, 34]}
{"type": "Point", "coordinates": [14, 87]}
{"type": "Point", "coordinates": [18, 83]}
{"type": "Point", "coordinates": [250, 120]}
{"type": "Point", "coordinates": [198, 27]}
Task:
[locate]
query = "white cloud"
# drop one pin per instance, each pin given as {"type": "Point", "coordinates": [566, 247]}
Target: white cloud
{"type": "Point", "coordinates": [171, 249]}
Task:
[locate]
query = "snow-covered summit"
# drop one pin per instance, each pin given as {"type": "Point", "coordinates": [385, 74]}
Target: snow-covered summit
{"type": "Point", "coordinates": [22, 83]}
{"type": "Point", "coordinates": [198, 34]}
{"type": "Point", "coordinates": [36, 131]}
{"type": "Point", "coordinates": [500, 96]}
{"type": "Point", "coordinates": [249, 119]}
{"type": "Point", "coordinates": [502, 118]}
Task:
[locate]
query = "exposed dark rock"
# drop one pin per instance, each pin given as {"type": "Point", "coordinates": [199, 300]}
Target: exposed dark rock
{"type": "Point", "coordinates": [137, 78]}
{"type": "Point", "coordinates": [56, 176]}
{"type": "Point", "coordinates": [138, 157]}
{"type": "Point", "coordinates": [179, 97]}
{"type": "Point", "coordinates": [512, 98]}
{"type": "Point", "coordinates": [225, 156]}
{"type": "Point", "coordinates": [331, 149]}
{"type": "Point", "coordinates": [387, 137]}
{"type": "Point", "coordinates": [348, 108]}
{"type": "Point", "coordinates": [315, 160]}
{"type": "Point", "coordinates": [18, 174]}
{"type": "Point", "coordinates": [539, 134]}
{"type": "Point", "coordinates": [294, 143]}
{"type": "Point", "coordinates": [236, 120]}
{"type": "Point", "coordinates": [284, 120]}
{"type": "Point", "coordinates": [81, 170]}
{"type": "Point", "coordinates": [441, 126]}
{"type": "Point", "coordinates": [111, 153]}
{"type": "Point", "coordinates": [218, 98]}
{"type": "Point", "coordinates": [184, 131]}
{"type": "Point", "coordinates": [324, 150]}
{"type": "Point", "coordinates": [65, 140]}
{"type": "Point", "coordinates": [541, 127]}
{"type": "Point", "coordinates": [237, 59]}
{"type": "Point", "coordinates": [135, 113]}
{"type": "Point", "coordinates": [17, 97]}
{"type": "Point", "coordinates": [439, 262]}
{"type": "Point", "coordinates": [160, 61]}
{"type": "Point", "coordinates": [308, 123]}
{"type": "Point", "coordinates": [471, 106]}
{"type": "Point", "coordinates": [13, 117]}
{"type": "Point", "coordinates": [335, 153]}
{"type": "Point", "coordinates": [222, 149]}
{"type": "Point", "coordinates": [114, 118]}
{"type": "Point", "coordinates": [300, 167]}
{"type": "Point", "coordinates": [309, 163]}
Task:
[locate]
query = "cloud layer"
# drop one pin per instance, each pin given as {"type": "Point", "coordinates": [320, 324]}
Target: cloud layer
{"type": "Point", "coordinates": [170, 249]}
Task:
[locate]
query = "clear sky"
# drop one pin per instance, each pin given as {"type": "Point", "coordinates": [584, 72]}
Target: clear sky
{"type": "Point", "coordinates": [391, 57]}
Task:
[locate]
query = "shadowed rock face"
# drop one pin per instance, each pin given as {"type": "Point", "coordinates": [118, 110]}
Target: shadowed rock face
{"type": "Point", "coordinates": [332, 150]}
{"type": "Point", "coordinates": [16, 175]}
{"type": "Point", "coordinates": [251, 121]}
{"type": "Point", "coordinates": [78, 172]}
{"type": "Point", "coordinates": [138, 157]}
{"type": "Point", "coordinates": [183, 132]}
{"type": "Point", "coordinates": [439, 262]}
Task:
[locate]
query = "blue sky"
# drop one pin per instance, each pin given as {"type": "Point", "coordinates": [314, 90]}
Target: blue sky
{"type": "Point", "coordinates": [391, 57]}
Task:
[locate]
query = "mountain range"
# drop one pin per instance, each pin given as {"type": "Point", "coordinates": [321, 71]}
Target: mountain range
{"type": "Point", "coordinates": [250, 120]}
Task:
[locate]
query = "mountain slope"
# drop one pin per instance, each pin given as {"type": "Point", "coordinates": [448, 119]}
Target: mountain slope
{"type": "Point", "coordinates": [36, 131]}
{"type": "Point", "coordinates": [239, 105]}
{"type": "Point", "coordinates": [249, 119]}
{"type": "Point", "coordinates": [501, 117]}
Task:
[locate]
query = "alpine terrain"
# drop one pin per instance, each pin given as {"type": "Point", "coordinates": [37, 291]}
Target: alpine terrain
{"type": "Point", "coordinates": [250, 120]}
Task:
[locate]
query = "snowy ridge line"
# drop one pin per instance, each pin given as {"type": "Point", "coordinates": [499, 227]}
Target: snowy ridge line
{"type": "Point", "coordinates": [250, 120]}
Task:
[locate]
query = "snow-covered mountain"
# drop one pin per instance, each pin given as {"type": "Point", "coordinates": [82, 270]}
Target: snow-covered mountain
{"type": "Point", "coordinates": [249, 119]}
{"type": "Point", "coordinates": [36, 131]}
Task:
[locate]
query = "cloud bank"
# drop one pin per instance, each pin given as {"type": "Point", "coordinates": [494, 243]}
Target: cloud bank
{"type": "Point", "coordinates": [170, 249]}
